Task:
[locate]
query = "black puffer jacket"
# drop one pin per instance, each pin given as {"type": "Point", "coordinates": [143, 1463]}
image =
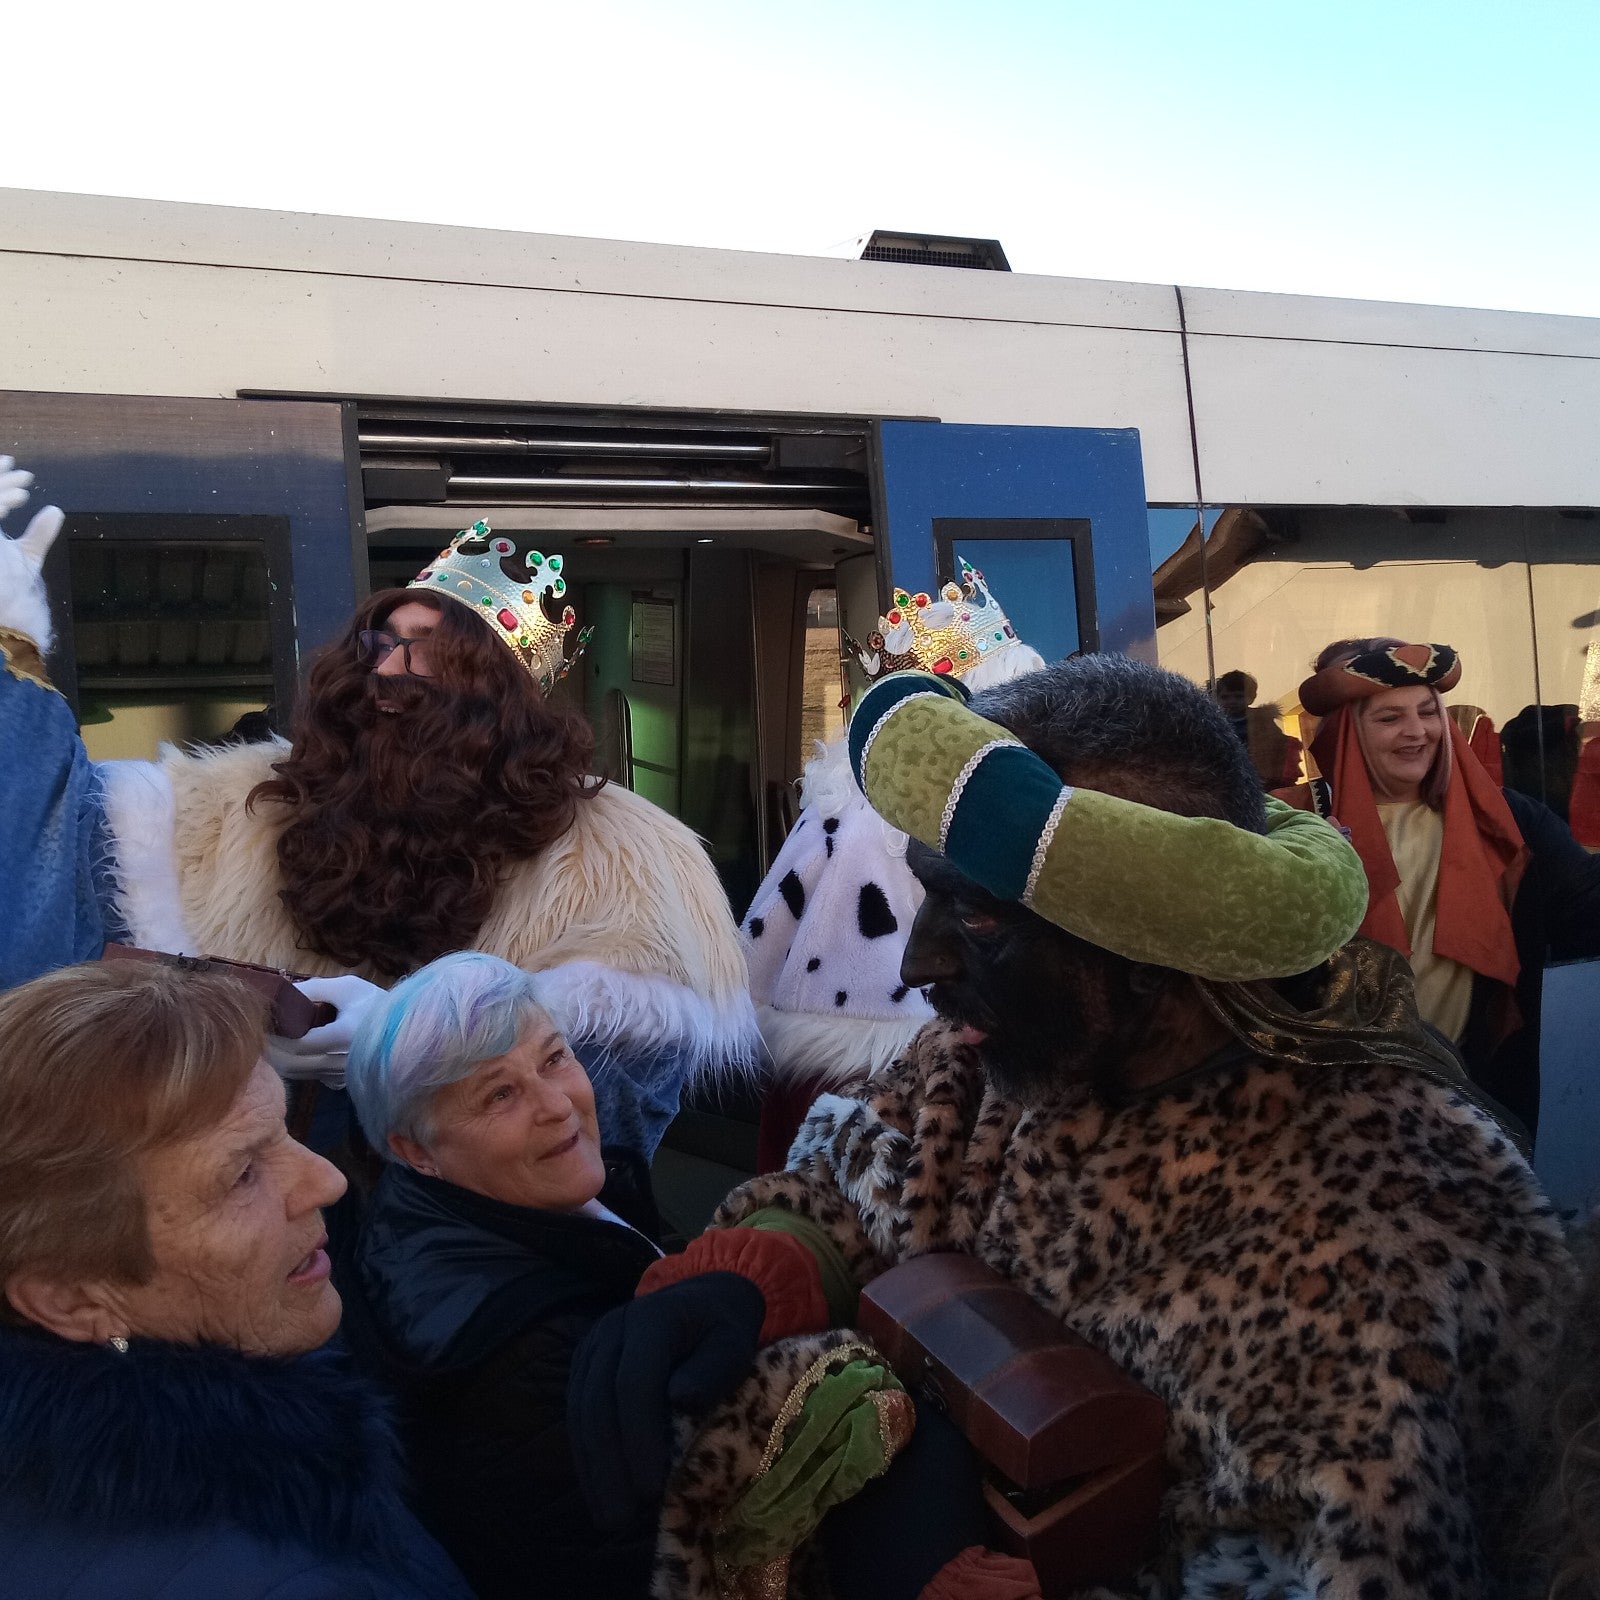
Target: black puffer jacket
{"type": "Point", "coordinates": [1555, 917]}
{"type": "Point", "coordinates": [470, 1309]}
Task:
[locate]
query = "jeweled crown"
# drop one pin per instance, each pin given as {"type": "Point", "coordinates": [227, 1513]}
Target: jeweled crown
{"type": "Point", "coordinates": [950, 635]}
{"type": "Point", "coordinates": [508, 588]}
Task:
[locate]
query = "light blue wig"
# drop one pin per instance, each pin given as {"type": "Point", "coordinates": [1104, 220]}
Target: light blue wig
{"type": "Point", "coordinates": [433, 1029]}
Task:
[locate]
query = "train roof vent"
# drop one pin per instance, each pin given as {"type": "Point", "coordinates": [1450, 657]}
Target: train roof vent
{"type": "Point", "coordinates": [933, 250]}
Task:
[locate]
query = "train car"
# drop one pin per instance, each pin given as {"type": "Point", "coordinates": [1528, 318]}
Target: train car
{"type": "Point", "coordinates": [253, 417]}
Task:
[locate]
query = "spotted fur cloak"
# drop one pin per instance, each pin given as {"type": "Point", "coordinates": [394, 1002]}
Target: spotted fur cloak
{"type": "Point", "coordinates": [1342, 1280]}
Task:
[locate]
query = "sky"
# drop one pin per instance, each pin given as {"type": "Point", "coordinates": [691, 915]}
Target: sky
{"type": "Point", "coordinates": [1403, 150]}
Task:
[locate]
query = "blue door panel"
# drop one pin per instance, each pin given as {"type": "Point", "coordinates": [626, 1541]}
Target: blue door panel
{"type": "Point", "coordinates": [928, 471]}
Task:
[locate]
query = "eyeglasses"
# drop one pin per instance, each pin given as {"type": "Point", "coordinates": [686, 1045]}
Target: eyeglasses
{"type": "Point", "coordinates": [374, 647]}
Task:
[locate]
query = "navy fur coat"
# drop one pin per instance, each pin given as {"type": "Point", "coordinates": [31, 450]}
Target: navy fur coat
{"type": "Point", "coordinates": [176, 1473]}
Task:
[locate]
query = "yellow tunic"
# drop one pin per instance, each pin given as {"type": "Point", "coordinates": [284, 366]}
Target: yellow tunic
{"type": "Point", "coordinates": [1415, 832]}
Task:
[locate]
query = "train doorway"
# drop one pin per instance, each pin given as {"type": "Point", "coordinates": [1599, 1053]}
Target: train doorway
{"type": "Point", "coordinates": [716, 641]}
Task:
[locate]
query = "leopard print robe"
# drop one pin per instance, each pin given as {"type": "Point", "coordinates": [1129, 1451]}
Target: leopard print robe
{"type": "Point", "coordinates": [1342, 1281]}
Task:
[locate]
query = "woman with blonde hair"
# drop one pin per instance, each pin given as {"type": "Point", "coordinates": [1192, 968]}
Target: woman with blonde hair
{"type": "Point", "coordinates": [169, 1425]}
{"type": "Point", "coordinates": [1476, 884]}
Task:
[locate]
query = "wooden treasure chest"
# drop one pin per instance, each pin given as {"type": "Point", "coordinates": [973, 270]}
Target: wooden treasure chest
{"type": "Point", "coordinates": [1073, 1446]}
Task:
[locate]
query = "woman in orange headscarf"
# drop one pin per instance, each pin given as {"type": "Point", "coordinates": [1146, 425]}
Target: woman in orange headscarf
{"type": "Point", "coordinates": [1478, 885]}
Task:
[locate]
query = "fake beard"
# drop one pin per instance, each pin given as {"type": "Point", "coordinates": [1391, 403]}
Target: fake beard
{"type": "Point", "coordinates": [1053, 1013]}
{"type": "Point", "coordinates": [390, 864]}
{"type": "Point", "coordinates": [413, 761]}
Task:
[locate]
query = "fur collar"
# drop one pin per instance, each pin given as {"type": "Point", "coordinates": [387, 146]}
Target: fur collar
{"type": "Point", "coordinates": [624, 911]}
{"type": "Point", "coordinates": [169, 1438]}
{"type": "Point", "coordinates": [627, 886]}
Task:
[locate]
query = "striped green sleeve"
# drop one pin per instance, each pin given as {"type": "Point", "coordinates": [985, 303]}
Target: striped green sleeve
{"type": "Point", "coordinates": [1193, 893]}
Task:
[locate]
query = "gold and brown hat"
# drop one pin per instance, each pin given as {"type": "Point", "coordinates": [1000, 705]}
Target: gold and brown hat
{"type": "Point", "coordinates": [1399, 666]}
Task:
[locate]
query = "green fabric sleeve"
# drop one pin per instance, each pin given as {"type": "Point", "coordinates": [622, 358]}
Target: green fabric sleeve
{"type": "Point", "coordinates": [833, 1448]}
{"type": "Point", "coordinates": [838, 1287]}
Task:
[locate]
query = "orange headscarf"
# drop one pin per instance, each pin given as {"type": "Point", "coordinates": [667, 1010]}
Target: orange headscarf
{"type": "Point", "coordinates": [1480, 866]}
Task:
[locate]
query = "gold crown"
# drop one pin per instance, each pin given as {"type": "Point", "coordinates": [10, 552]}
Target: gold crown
{"type": "Point", "coordinates": [949, 636]}
{"type": "Point", "coordinates": [507, 589]}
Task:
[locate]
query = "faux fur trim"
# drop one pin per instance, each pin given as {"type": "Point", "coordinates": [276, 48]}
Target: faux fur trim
{"type": "Point", "coordinates": [598, 1005]}
{"type": "Point", "coordinates": [626, 887]}
{"type": "Point", "coordinates": [833, 1049]}
{"type": "Point", "coordinates": [141, 817]}
{"type": "Point", "coordinates": [1016, 662]}
{"type": "Point", "coordinates": [1238, 1566]}
{"type": "Point", "coordinates": [827, 781]}
{"type": "Point", "coordinates": [24, 606]}
{"type": "Point", "coordinates": [170, 1437]}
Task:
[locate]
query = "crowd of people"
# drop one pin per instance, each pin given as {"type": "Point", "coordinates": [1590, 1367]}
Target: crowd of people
{"type": "Point", "coordinates": [1238, 1087]}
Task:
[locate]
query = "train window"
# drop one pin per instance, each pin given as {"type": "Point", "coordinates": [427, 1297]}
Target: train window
{"type": "Point", "coordinates": [1554, 747]}
{"type": "Point", "coordinates": [172, 639]}
{"type": "Point", "coordinates": [1285, 582]}
{"type": "Point", "coordinates": [1041, 571]}
{"type": "Point", "coordinates": [826, 691]}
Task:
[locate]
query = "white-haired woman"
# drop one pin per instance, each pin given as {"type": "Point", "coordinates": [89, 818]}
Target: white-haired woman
{"type": "Point", "coordinates": [497, 1242]}
{"type": "Point", "coordinates": [169, 1427]}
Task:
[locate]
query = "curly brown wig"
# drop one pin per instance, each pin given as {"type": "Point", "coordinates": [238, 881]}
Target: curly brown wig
{"type": "Point", "coordinates": [404, 825]}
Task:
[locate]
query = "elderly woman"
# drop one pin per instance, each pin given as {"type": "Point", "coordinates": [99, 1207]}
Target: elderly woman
{"type": "Point", "coordinates": [499, 1239]}
{"type": "Point", "coordinates": [1476, 884]}
{"type": "Point", "coordinates": [169, 1426]}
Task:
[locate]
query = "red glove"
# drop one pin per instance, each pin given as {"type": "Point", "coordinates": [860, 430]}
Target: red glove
{"type": "Point", "coordinates": [979, 1574]}
{"type": "Point", "coordinates": [777, 1264]}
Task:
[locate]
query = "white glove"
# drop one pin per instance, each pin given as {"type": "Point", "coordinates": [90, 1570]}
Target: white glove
{"type": "Point", "coordinates": [24, 605]}
{"type": "Point", "coordinates": [321, 1053]}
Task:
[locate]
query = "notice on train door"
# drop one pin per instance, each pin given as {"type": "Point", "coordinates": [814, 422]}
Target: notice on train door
{"type": "Point", "coordinates": [654, 642]}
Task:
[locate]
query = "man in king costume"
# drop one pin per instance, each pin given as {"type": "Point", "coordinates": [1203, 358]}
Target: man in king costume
{"type": "Point", "coordinates": [827, 929]}
{"type": "Point", "coordinates": [1276, 1204]}
{"type": "Point", "coordinates": [433, 799]}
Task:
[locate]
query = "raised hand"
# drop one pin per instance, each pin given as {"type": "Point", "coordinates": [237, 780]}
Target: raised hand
{"type": "Point", "coordinates": [24, 605]}
{"type": "Point", "coordinates": [321, 1054]}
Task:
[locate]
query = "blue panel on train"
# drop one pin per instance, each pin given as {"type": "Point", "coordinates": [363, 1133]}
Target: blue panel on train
{"type": "Point", "coordinates": [981, 492]}
{"type": "Point", "coordinates": [158, 456]}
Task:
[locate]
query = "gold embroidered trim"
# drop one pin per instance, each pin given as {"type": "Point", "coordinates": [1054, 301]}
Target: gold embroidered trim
{"type": "Point", "coordinates": [22, 659]}
{"type": "Point", "coordinates": [840, 1355]}
{"type": "Point", "coordinates": [897, 1421]}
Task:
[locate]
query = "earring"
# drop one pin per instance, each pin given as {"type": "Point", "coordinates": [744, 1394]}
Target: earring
{"type": "Point", "coordinates": [118, 1343]}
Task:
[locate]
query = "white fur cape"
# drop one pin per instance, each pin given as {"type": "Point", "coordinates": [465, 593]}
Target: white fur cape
{"type": "Point", "coordinates": [825, 933]}
{"type": "Point", "coordinates": [623, 912]}
{"type": "Point", "coordinates": [829, 924]}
